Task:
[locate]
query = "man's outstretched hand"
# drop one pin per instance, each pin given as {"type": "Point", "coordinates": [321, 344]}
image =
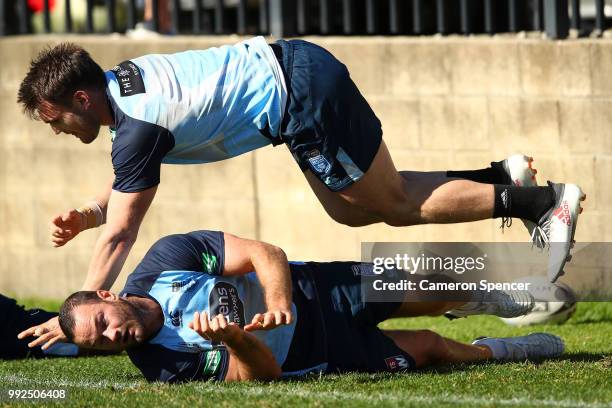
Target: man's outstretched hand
{"type": "Point", "coordinates": [65, 226]}
{"type": "Point", "coordinates": [217, 328]}
{"type": "Point", "coordinates": [269, 320]}
{"type": "Point", "coordinates": [48, 334]}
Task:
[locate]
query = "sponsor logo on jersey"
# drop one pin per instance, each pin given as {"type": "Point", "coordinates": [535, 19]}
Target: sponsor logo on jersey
{"type": "Point", "coordinates": [129, 78]}
{"type": "Point", "coordinates": [224, 299]}
{"type": "Point", "coordinates": [318, 162]}
{"type": "Point", "coordinates": [209, 263]}
{"type": "Point", "coordinates": [563, 213]}
{"type": "Point", "coordinates": [213, 360]}
{"type": "Point", "coordinates": [176, 317]}
{"type": "Point", "coordinates": [397, 363]}
{"type": "Point", "coordinates": [183, 286]}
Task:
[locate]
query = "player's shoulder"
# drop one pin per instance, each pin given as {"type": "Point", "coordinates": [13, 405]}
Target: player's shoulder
{"type": "Point", "coordinates": [135, 99]}
{"type": "Point", "coordinates": [170, 242]}
{"type": "Point", "coordinates": [130, 111]}
{"type": "Point", "coordinates": [196, 251]}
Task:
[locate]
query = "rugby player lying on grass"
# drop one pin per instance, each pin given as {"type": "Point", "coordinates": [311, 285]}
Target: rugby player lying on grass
{"type": "Point", "coordinates": [194, 309]}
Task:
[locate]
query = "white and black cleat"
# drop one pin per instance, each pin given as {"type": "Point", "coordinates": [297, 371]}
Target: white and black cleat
{"type": "Point", "coordinates": [534, 346]}
{"type": "Point", "coordinates": [519, 169]}
{"type": "Point", "coordinates": [557, 227]}
{"type": "Point", "coordinates": [511, 303]}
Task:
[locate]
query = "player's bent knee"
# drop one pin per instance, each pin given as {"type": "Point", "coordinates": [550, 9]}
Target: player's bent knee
{"type": "Point", "coordinates": [352, 222]}
{"type": "Point", "coordinates": [351, 217]}
{"type": "Point", "coordinates": [404, 221]}
{"type": "Point", "coordinates": [348, 220]}
{"type": "Point", "coordinates": [402, 216]}
{"type": "Point", "coordinates": [398, 212]}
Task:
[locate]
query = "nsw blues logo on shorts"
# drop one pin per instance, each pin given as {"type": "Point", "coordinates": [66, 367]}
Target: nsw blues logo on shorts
{"type": "Point", "coordinates": [397, 363]}
{"type": "Point", "coordinates": [318, 162]}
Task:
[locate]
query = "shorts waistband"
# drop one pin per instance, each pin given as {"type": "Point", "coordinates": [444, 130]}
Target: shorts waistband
{"type": "Point", "coordinates": [283, 50]}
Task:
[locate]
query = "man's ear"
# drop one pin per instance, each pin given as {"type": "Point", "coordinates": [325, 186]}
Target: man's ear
{"type": "Point", "coordinates": [82, 99]}
{"type": "Point", "coordinates": [106, 295]}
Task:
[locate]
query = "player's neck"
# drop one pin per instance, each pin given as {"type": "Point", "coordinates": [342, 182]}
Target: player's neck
{"type": "Point", "coordinates": [103, 109]}
{"type": "Point", "coordinates": [151, 313]}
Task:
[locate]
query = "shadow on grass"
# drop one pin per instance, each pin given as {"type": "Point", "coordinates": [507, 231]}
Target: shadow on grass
{"type": "Point", "coordinates": [589, 320]}
{"type": "Point", "coordinates": [605, 359]}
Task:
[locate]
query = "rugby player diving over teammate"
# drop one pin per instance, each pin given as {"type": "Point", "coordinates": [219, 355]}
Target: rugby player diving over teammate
{"type": "Point", "coordinates": [210, 305]}
{"type": "Point", "coordinates": [201, 106]}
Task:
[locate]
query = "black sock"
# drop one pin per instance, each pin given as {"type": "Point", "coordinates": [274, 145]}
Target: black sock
{"type": "Point", "coordinates": [528, 203]}
{"type": "Point", "coordinates": [491, 175]}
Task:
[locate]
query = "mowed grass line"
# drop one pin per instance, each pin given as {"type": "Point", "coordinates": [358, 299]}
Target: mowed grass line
{"type": "Point", "coordinates": [582, 378]}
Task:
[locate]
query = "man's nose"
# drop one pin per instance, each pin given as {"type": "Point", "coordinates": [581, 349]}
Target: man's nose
{"type": "Point", "coordinates": [112, 334]}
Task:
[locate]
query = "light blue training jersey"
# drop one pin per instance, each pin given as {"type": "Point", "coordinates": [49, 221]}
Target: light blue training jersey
{"type": "Point", "coordinates": [196, 106]}
{"type": "Point", "coordinates": [183, 273]}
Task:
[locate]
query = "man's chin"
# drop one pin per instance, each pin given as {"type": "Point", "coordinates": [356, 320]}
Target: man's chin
{"type": "Point", "coordinates": [88, 140]}
{"type": "Point", "coordinates": [138, 338]}
{"type": "Point", "coordinates": [89, 137]}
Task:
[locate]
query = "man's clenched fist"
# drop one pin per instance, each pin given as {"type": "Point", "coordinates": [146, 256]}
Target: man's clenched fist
{"type": "Point", "coordinates": [65, 226]}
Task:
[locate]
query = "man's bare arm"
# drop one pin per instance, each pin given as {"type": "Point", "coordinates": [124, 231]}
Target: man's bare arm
{"type": "Point", "coordinates": [272, 268]}
{"type": "Point", "coordinates": [249, 358]}
{"type": "Point", "coordinates": [67, 225]}
{"type": "Point", "coordinates": [104, 195]}
{"type": "Point", "coordinates": [125, 212]}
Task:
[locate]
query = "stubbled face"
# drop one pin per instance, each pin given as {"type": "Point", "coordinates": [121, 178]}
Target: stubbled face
{"type": "Point", "coordinates": [74, 120]}
{"type": "Point", "coordinates": [108, 325]}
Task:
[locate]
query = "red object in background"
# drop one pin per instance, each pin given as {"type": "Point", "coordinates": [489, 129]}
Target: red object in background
{"type": "Point", "coordinates": [38, 5]}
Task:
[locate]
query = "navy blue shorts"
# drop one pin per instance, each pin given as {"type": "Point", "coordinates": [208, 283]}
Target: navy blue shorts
{"type": "Point", "coordinates": [13, 320]}
{"type": "Point", "coordinates": [328, 125]}
{"type": "Point", "coordinates": [336, 329]}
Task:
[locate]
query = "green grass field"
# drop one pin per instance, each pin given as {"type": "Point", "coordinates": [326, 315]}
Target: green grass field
{"type": "Point", "coordinates": [582, 378]}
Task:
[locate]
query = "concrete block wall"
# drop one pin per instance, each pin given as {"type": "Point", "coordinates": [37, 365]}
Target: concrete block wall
{"type": "Point", "coordinates": [445, 103]}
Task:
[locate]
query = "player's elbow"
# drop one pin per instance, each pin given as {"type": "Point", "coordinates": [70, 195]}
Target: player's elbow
{"type": "Point", "coordinates": [276, 252]}
{"type": "Point", "coordinates": [270, 373]}
{"type": "Point", "coordinates": [265, 374]}
{"type": "Point", "coordinates": [121, 236]}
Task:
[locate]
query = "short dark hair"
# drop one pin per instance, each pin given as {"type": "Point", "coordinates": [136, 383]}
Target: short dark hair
{"type": "Point", "coordinates": [66, 315]}
{"type": "Point", "coordinates": [55, 74]}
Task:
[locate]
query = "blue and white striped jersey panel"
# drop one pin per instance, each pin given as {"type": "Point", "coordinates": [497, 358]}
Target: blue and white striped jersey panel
{"type": "Point", "coordinates": [238, 298]}
{"type": "Point", "coordinates": [214, 102]}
